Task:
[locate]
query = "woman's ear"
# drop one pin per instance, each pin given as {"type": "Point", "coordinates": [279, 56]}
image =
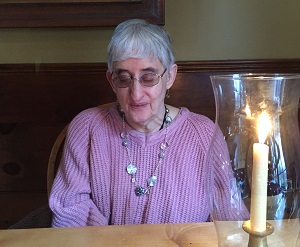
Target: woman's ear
{"type": "Point", "coordinates": [171, 76]}
{"type": "Point", "coordinates": [108, 77]}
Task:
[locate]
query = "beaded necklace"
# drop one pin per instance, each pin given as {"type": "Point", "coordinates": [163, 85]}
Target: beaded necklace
{"type": "Point", "coordinates": [132, 169]}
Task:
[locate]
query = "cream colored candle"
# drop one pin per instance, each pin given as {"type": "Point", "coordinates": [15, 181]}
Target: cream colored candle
{"type": "Point", "coordinates": [258, 209]}
{"type": "Point", "coordinates": [259, 187]}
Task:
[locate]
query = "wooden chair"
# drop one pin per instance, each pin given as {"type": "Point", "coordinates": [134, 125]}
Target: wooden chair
{"type": "Point", "coordinates": [54, 158]}
{"type": "Point", "coordinates": [56, 153]}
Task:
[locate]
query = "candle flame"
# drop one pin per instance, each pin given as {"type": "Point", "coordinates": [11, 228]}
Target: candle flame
{"type": "Point", "coordinates": [248, 111]}
{"type": "Point", "coordinates": [263, 126]}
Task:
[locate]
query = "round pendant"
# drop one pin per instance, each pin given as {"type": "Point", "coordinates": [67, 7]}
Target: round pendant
{"type": "Point", "coordinates": [140, 191]}
{"type": "Point", "coordinates": [131, 169]}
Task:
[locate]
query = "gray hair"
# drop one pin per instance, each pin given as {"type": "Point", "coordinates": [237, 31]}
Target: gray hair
{"type": "Point", "coordinates": [137, 39]}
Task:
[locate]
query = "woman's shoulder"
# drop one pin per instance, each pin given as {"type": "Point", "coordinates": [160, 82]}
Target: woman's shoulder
{"type": "Point", "coordinates": [93, 115]}
{"type": "Point", "coordinates": [194, 118]}
{"type": "Point", "coordinates": [199, 118]}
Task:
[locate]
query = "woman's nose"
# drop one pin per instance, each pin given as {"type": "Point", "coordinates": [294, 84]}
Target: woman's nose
{"type": "Point", "coordinates": [136, 88]}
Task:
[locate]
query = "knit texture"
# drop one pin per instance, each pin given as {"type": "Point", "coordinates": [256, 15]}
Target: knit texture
{"type": "Point", "coordinates": [92, 186]}
{"type": "Point", "coordinates": [39, 218]}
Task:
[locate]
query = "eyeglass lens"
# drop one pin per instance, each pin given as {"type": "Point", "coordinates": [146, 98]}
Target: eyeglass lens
{"type": "Point", "coordinates": [147, 80]}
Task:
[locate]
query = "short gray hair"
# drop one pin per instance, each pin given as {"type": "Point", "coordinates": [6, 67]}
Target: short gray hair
{"type": "Point", "coordinates": [137, 38]}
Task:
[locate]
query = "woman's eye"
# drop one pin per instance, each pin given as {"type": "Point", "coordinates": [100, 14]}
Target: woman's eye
{"type": "Point", "coordinates": [148, 77]}
{"type": "Point", "coordinates": [124, 77]}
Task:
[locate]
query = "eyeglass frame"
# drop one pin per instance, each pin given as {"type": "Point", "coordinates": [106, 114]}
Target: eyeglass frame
{"type": "Point", "coordinates": [139, 79]}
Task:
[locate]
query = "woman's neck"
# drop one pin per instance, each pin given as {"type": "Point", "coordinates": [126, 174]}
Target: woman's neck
{"type": "Point", "coordinates": [153, 125]}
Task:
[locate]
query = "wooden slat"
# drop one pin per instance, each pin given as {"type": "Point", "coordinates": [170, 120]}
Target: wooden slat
{"type": "Point", "coordinates": [194, 91]}
{"type": "Point", "coordinates": [41, 97]}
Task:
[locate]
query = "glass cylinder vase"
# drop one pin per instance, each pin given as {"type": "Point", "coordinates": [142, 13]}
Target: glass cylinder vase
{"type": "Point", "coordinates": [254, 189]}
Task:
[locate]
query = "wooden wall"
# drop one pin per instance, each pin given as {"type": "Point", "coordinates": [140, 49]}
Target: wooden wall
{"type": "Point", "coordinates": [37, 101]}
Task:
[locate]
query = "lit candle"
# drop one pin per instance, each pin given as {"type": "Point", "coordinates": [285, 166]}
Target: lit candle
{"type": "Point", "coordinates": [248, 111]}
{"type": "Point", "coordinates": [260, 176]}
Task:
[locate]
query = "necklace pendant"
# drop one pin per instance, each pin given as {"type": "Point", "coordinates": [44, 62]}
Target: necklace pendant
{"type": "Point", "coordinates": [140, 191]}
{"type": "Point", "coordinates": [168, 120]}
{"type": "Point", "coordinates": [152, 181]}
{"type": "Point", "coordinates": [131, 169]}
{"type": "Point", "coordinates": [125, 142]}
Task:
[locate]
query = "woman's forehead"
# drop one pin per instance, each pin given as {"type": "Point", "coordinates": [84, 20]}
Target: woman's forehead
{"type": "Point", "coordinates": [146, 63]}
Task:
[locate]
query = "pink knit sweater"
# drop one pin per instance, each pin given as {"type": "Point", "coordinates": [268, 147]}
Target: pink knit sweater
{"type": "Point", "coordinates": [92, 186]}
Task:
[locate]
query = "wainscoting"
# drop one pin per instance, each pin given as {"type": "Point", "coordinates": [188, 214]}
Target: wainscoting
{"type": "Point", "coordinates": [38, 100]}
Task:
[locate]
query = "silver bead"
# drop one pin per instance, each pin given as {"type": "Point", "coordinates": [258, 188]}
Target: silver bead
{"type": "Point", "coordinates": [125, 142]}
{"type": "Point", "coordinates": [152, 181]}
{"type": "Point", "coordinates": [161, 154]}
{"type": "Point", "coordinates": [164, 145]}
{"type": "Point", "coordinates": [168, 119]}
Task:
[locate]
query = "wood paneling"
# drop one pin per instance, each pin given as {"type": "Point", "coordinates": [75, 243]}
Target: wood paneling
{"type": "Point", "coordinates": [78, 13]}
{"type": "Point", "coordinates": [37, 101]}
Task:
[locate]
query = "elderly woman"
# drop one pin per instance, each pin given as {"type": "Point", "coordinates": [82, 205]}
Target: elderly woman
{"type": "Point", "coordinates": [139, 160]}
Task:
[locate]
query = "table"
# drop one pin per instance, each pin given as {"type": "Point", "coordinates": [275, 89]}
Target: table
{"type": "Point", "coordinates": [194, 234]}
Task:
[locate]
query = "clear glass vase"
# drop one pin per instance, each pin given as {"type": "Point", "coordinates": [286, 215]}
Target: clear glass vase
{"type": "Point", "coordinates": [257, 114]}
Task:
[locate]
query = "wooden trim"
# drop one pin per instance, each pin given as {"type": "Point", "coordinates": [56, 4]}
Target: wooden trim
{"type": "Point", "coordinates": [214, 66]}
{"type": "Point", "coordinates": [263, 65]}
{"type": "Point", "coordinates": [78, 13]}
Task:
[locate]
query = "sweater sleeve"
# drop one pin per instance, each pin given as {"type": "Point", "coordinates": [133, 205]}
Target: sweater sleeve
{"type": "Point", "coordinates": [227, 201]}
{"type": "Point", "coordinates": [70, 198]}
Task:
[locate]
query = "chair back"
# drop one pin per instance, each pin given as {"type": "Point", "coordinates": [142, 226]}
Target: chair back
{"type": "Point", "coordinates": [55, 156]}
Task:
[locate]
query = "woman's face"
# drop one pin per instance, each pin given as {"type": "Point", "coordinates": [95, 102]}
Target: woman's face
{"type": "Point", "coordinates": [143, 106]}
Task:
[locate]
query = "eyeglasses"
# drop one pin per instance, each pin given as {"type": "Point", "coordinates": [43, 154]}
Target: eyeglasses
{"type": "Point", "coordinates": [147, 80]}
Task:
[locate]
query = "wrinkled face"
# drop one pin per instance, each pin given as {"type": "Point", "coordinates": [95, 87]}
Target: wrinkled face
{"type": "Point", "coordinates": [143, 106]}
